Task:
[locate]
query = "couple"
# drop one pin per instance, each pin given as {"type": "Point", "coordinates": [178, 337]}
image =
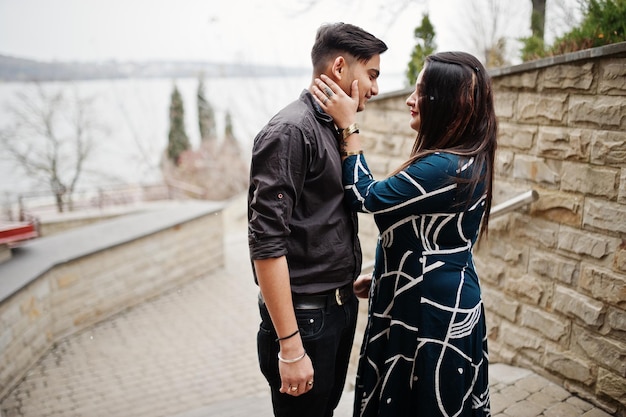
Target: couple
{"type": "Point", "coordinates": [425, 346]}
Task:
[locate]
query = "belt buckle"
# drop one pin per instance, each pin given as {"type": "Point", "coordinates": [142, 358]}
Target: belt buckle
{"type": "Point", "coordinates": [338, 296]}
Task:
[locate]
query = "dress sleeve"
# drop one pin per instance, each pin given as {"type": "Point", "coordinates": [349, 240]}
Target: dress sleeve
{"type": "Point", "coordinates": [426, 186]}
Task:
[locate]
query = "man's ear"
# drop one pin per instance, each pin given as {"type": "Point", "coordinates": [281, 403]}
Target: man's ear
{"type": "Point", "coordinates": [338, 68]}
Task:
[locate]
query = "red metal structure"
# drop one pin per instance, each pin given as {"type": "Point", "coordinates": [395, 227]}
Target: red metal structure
{"type": "Point", "coordinates": [13, 233]}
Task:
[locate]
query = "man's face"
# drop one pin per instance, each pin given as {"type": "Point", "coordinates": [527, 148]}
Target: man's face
{"type": "Point", "coordinates": [367, 73]}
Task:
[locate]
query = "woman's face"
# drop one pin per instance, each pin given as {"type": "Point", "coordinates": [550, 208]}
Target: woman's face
{"type": "Point", "coordinates": [413, 103]}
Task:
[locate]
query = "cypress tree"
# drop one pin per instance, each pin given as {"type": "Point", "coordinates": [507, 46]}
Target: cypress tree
{"type": "Point", "coordinates": [206, 115]}
{"type": "Point", "coordinates": [178, 142]}
{"type": "Point", "coordinates": [425, 37]}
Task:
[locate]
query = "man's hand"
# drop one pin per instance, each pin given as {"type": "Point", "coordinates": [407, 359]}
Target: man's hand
{"type": "Point", "coordinates": [273, 278]}
{"type": "Point", "coordinates": [296, 378]}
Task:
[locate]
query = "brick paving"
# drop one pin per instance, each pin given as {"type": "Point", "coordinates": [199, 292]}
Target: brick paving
{"type": "Point", "coordinates": [191, 353]}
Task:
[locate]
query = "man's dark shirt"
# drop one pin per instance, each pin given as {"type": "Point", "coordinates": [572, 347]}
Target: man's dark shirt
{"type": "Point", "coordinates": [295, 200]}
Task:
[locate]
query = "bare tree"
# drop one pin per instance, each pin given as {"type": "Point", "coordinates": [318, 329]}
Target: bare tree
{"type": "Point", "coordinates": [51, 138]}
{"type": "Point", "coordinates": [488, 33]}
{"type": "Point", "coordinates": [389, 11]}
{"type": "Point", "coordinates": [561, 16]}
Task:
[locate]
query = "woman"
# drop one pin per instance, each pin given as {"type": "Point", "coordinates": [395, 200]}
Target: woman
{"type": "Point", "coordinates": [425, 348]}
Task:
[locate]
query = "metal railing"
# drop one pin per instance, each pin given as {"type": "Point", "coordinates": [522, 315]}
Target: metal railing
{"type": "Point", "coordinates": [513, 203]}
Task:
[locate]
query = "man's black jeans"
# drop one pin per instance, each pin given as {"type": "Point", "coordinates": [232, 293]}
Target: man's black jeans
{"type": "Point", "coordinates": [328, 336]}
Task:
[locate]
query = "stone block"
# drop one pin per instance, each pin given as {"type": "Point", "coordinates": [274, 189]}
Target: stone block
{"type": "Point", "coordinates": [378, 164]}
{"type": "Point", "coordinates": [544, 233]}
{"type": "Point", "coordinates": [523, 409]}
{"type": "Point", "coordinates": [560, 207]}
{"type": "Point", "coordinates": [564, 144]}
{"type": "Point", "coordinates": [553, 267]}
{"type": "Point", "coordinates": [514, 254]}
{"type": "Point", "coordinates": [611, 385]}
{"type": "Point", "coordinates": [605, 351]}
{"type": "Point", "coordinates": [605, 215]}
{"type": "Point", "coordinates": [533, 383]}
{"type": "Point", "coordinates": [604, 285]}
{"type": "Point", "coordinates": [569, 366]}
{"type": "Point", "coordinates": [369, 140]}
{"type": "Point", "coordinates": [522, 80]}
{"type": "Point", "coordinates": [616, 321]}
{"type": "Point", "coordinates": [596, 412]}
{"type": "Point", "coordinates": [504, 164]}
{"type": "Point", "coordinates": [613, 78]}
{"type": "Point", "coordinates": [504, 104]}
{"type": "Point", "coordinates": [579, 403]}
{"type": "Point", "coordinates": [499, 304]}
{"type": "Point", "coordinates": [498, 403]}
{"type": "Point", "coordinates": [622, 187]}
{"type": "Point", "coordinates": [514, 393]}
{"type": "Point", "coordinates": [605, 112]}
{"type": "Point", "coordinates": [580, 242]}
{"type": "Point", "coordinates": [390, 145]}
{"type": "Point", "coordinates": [608, 148]}
{"type": "Point", "coordinates": [541, 108]}
{"type": "Point", "coordinates": [542, 400]}
{"type": "Point", "coordinates": [556, 391]}
{"type": "Point", "coordinates": [516, 136]}
{"type": "Point", "coordinates": [504, 190]}
{"type": "Point", "coordinates": [527, 288]}
{"type": "Point", "coordinates": [562, 410]}
{"type": "Point", "coordinates": [491, 271]}
{"type": "Point", "coordinates": [568, 77]}
{"type": "Point", "coordinates": [589, 179]}
{"type": "Point", "coordinates": [376, 121]}
{"type": "Point", "coordinates": [537, 170]}
{"type": "Point", "coordinates": [500, 225]}
{"type": "Point", "coordinates": [574, 304]}
{"type": "Point", "coordinates": [67, 279]}
{"type": "Point", "coordinates": [549, 324]}
{"type": "Point", "coordinates": [522, 341]}
{"type": "Point", "coordinates": [10, 313]}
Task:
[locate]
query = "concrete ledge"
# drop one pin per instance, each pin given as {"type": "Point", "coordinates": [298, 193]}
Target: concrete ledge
{"type": "Point", "coordinates": [34, 258]}
{"type": "Point", "coordinates": [614, 50]}
{"type": "Point", "coordinates": [53, 287]}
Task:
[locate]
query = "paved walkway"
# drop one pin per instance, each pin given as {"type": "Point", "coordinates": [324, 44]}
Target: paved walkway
{"type": "Point", "coordinates": [191, 353]}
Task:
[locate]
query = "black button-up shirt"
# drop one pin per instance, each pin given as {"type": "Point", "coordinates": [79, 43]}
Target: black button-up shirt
{"type": "Point", "coordinates": [295, 200]}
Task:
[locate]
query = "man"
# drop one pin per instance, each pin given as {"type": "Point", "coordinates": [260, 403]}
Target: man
{"type": "Point", "coordinates": [303, 239]}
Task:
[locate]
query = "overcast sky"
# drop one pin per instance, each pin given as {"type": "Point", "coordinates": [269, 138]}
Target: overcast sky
{"type": "Point", "coordinates": [248, 31]}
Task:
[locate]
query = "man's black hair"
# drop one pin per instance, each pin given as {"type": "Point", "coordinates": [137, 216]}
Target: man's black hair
{"type": "Point", "coordinates": [337, 38]}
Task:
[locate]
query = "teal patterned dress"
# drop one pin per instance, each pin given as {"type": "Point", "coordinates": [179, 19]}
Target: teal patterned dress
{"type": "Point", "coordinates": [424, 351]}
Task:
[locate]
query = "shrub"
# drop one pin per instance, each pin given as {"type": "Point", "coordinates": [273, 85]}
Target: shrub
{"type": "Point", "coordinates": [604, 22]}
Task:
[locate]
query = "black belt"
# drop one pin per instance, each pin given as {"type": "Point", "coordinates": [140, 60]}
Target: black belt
{"type": "Point", "coordinates": [338, 296]}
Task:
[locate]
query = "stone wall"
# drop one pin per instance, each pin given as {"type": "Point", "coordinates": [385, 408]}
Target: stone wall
{"type": "Point", "coordinates": [553, 273]}
{"type": "Point", "coordinates": [63, 284]}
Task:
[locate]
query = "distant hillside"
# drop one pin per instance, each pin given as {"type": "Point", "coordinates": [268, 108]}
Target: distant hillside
{"type": "Point", "coordinates": [19, 69]}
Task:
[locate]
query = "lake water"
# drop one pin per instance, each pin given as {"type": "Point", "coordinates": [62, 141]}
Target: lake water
{"type": "Point", "coordinates": [135, 113]}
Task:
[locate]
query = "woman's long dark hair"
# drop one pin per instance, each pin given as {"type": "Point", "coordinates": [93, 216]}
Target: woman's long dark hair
{"type": "Point", "coordinates": [455, 102]}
